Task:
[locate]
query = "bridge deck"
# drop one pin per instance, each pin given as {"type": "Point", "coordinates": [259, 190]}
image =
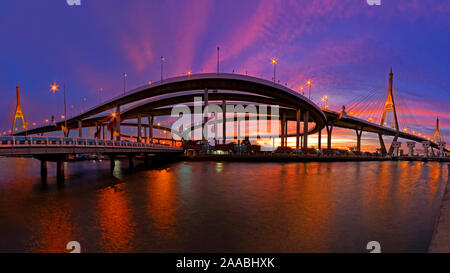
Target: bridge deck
{"type": "Point", "coordinates": [30, 146]}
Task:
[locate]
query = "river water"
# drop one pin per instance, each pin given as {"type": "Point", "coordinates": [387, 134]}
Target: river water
{"type": "Point", "coordinates": [221, 207]}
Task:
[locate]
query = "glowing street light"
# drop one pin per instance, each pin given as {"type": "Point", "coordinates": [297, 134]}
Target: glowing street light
{"type": "Point", "coordinates": [124, 82]}
{"type": "Point", "coordinates": [100, 94]}
{"type": "Point", "coordinates": [274, 62]}
{"type": "Point", "coordinates": [309, 83]}
{"type": "Point", "coordinates": [162, 68]}
{"type": "Point", "coordinates": [54, 88]}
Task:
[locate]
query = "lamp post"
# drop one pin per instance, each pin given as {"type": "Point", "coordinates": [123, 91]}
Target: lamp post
{"type": "Point", "coordinates": [218, 60]}
{"type": "Point", "coordinates": [274, 62]}
{"type": "Point", "coordinates": [55, 88]}
{"type": "Point", "coordinates": [309, 83]}
{"type": "Point", "coordinates": [162, 71]}
{"type": "Point", "coordinates": [100, 95]}
{"type": "Point", "coordinates": [124, 82]}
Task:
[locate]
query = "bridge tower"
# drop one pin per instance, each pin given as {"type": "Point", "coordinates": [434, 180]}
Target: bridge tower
{"type": "Point", "coordinates": [389, 106]}
{"type": "Point", "coordinates": [18, 114]}
{"type": "Point", "coordinates": [437, 134]}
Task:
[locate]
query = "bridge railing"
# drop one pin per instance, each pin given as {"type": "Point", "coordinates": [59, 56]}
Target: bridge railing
{"type": "Point", "coordinates": [20, 142]}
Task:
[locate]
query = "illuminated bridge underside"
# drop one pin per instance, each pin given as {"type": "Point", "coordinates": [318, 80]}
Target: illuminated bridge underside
{"type": "Point", "coordinates": [151, 99]}
{"type": "Point", "coordinates": [158, 98]}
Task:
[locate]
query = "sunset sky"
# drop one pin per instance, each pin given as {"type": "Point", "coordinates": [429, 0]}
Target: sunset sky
{"type": "Point", "coordinates": [345, 47]}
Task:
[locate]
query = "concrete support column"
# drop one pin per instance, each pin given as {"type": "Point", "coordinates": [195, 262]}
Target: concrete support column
{"type": "Point", "coordinates": [426, 146]}
{"type": "Point", "coordinates": [131, 162]}
{"type": "Point", "coordinates": [396, 147]}
{"type": "Point", "coordinates": [118, 122]}
{"type": "Point", "coordinates": [97, 131]}
{"type": "Point", "coordinates": [60, 170]}
{"type": "Point", "coordinates": [358, 139]}
{"type": "Point", "coordinates": [43, 170]}
{"type": "Point", "coordinates": [224, 123]}
{"type": "Point", "coordinates": [80, 129]}
{"type": "Point", "coordinates": [286, 134]}
{"type": "Point", "coordinates": [329, 133]}
{"type": "Point", "coordinates": [139, 135]}
{"type": "Point", "coordinates": [382, 146]}
{"type": "Point", "coordinates": [320, 140]}
{"type": "Point", "coordinates": [391, 149]}
{"type": "Point", "coordinates": [297, 135]}
{"type": "Point", "coordinates": [150, 127]}
{"type": "Point", "coordinates": [441, 149]}
{"type": "Point", "coordinates": [283, 124]}
{"type": "Point", "coordinates": [205, 119]}
{"type": "Point", "coordinates": [103, 132]}
{"type": "Point", "coordinates": [411, 146]}
{"type": "Point", "coordinates": [112, 160]}
{"type": "Point", "coordinates": [305, 129]}
{"type": "Point", "coordinates": [145, 134]}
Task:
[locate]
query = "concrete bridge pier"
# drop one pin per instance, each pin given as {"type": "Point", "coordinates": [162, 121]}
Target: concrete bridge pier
{"type": "Point", "coordinates": [112, 161]}
{"type": "Point", "coordinates": [305, 129]}
{"type": "Point", "coordinates": [441, 150]}
{"type": "Point", "coordinates": [80, 129]}
{"type": "Point", "coordinates": [329, 132]}
{"type": "Point", "coordinates": [382, 146]}
{"type": "Point", "coordinates": [118, 122]}
{"type": "Point", "coordinates": [320, 140]}
{"type": "Point", "coordinates": [224, 122]}
{"type": "Point", "coordinates": [150, 127]}
{"type": "Point", "coordinates": [297, 136]}
{"type": "Point", "coordinates": [44, 170]}
{"type": "Point", "coordinates": [395, 148]}
{"type": "Point", "coordinates": [283, 125]}
{"type": "Point", "coordinates": [358, 139]}
{"type": "Point", "coordinates": [411, 146]}
{"type": "Point", "coordinates": [60, 170]}
{"type": "Point", "coordinates": [426, 145]}
{"type": "Point", "coordinates": [139, 137]}
{"type": "Point", "coordinates": [131, 162]}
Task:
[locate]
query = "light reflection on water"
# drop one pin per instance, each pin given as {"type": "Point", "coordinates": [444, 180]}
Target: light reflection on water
{"type": "Point", "coordinates": [221, 207]}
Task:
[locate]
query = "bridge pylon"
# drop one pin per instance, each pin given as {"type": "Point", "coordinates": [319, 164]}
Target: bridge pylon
{"type": "Point", "coordinates": [437, 134]}
{"type": "Point", "coordinates": [18, 114]}
{"type": "Point", "coordinates": [389, 106]}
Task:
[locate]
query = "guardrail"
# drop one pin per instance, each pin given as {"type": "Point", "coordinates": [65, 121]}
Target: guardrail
{"type": "Point", "coordinates": [19, 141]}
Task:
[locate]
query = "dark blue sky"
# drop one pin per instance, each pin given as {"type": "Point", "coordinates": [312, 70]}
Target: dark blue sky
{"type": "Point", "coordinates": [345, 46]}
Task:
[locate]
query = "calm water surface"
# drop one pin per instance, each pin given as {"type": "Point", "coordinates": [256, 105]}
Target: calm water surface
{"type": "Point", "coordinates": [221, 207]}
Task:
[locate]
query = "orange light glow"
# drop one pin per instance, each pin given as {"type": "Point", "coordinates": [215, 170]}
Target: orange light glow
{"type": "Point", "coordinates": [308, 82]}
{"type": "Point", "coordinates": [274, 61]}
{"type": "Point", "coordinates": [113, 114]}
{"type": "Point", "coordinates": [54, 87]}
{"type": "Point", "coordinates": [189, 72]}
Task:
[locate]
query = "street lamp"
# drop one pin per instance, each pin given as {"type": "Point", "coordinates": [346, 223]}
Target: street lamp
{"type": "Point", "coordinates": [309, 83]}
{"type": "Point", "coordinates": [162, 60]}
{"type": "Point", "coordinates": [55, 88]}
{"type": "Point", "coordinates": [100, 95]}
{"type": "Point", "coordinates": [274, 62]}
{"type": "Point", "coordinates": [124, 82]}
